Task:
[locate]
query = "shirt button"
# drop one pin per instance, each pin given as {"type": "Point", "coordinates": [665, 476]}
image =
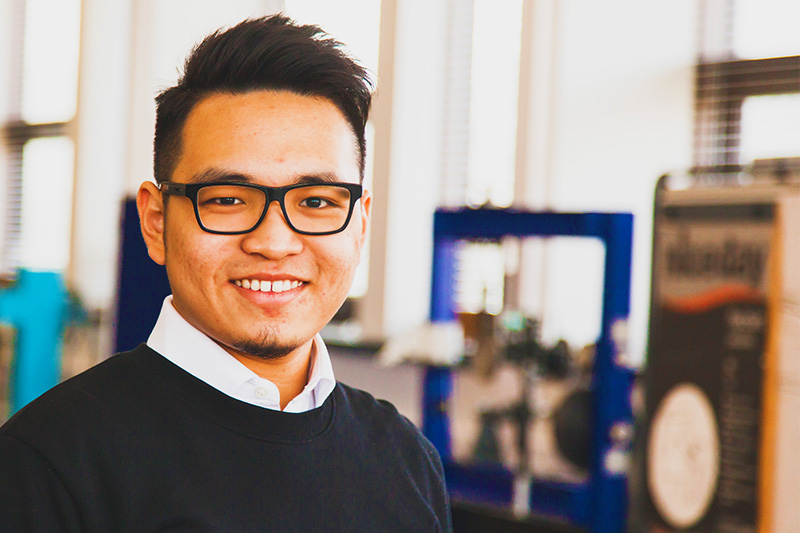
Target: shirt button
{"type": "Point", "coordinates": [261, 392]}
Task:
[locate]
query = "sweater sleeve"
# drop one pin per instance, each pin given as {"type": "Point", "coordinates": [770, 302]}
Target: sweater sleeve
{"type": "Point", "coordinates": [440, 500]}
{"type": "Point", "coordinates": [33, 497]}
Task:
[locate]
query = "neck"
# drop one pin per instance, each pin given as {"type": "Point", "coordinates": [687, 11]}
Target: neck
{"type": "Point", "coordinates": [289, 373]}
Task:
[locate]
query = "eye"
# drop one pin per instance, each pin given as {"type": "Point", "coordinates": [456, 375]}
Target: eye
{"type": "Point", "coordinates": [315, 202]}
{"type": "Point", "coordinates": [225, 201]}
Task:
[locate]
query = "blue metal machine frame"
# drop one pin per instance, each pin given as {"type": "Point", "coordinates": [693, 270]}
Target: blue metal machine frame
{"type": "Point", "coordinates": [599, 504]}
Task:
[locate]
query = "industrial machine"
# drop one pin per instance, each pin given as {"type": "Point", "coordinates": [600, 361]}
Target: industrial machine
{"type": "Point", "coordinates": [599, 503]}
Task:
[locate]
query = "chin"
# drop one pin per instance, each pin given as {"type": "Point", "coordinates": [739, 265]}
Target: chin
{"type": "Point", "coordinates": [266, 346]}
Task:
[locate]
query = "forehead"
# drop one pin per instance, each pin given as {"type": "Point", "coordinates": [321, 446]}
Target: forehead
{"type": "Point", "coordinates": [273, 137]}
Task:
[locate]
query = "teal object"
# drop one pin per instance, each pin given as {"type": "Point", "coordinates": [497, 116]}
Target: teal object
{"type": "Point", "coordinates": [36, 306]}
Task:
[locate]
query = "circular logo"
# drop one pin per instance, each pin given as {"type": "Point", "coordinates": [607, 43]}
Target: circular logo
{"type": "Point", "coordinates": [683, 456]}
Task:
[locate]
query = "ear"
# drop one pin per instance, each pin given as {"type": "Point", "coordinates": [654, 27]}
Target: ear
{"type": "Point", "coordinates": [366, 206]}
{"type": "Point", "coordinates": [151, 219]}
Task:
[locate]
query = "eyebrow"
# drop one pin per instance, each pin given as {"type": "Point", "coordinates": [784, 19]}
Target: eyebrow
{"type": "Point", "coordinates": [324, 177]}
{"type": "Point", "coordinates": [211, 175]}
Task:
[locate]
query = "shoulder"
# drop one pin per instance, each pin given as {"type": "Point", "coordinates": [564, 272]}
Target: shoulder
{"type": "Point", "coordinates": [391, 444]}
{"type": "Point", "coordinates": [82, 400]}
{"type": "Point", "coordinates": [365, 408]}
{"type": "Point", "coordinates": [385, 423]}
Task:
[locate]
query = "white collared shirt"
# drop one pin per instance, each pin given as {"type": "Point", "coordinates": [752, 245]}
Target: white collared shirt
{"type": "Point", "coordinates": [192, 350]}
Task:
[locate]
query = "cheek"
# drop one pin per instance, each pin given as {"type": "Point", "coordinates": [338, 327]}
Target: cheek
{"type": "Point", "coordinates": [190, 257]}
{"type": "Point", "coordinates": [339, 263]}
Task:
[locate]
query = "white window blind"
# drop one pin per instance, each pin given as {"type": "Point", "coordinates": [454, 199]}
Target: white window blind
{"type": "Point", "coordinates": [749, 58]}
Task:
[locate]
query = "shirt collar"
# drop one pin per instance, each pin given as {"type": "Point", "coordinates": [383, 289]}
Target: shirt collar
{"type": "Point", "coordinates": [193, 351]}
{"type": "Point", "coordinates": [321, 380]}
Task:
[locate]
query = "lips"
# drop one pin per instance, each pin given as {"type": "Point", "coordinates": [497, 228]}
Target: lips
{"type": "Point", "coordinates": [274, 286]}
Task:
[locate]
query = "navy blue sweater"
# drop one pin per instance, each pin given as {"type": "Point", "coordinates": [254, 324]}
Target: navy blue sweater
{"type": "Point", "coordinates": [138, 444]}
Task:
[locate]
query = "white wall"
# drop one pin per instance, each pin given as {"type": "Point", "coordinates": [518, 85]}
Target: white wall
{"type": "Point", "coordinates": [101, 134]}
{"type": "Point", "coordinates": [406, 114]}
{"type": "Point", "coordinates": [5, 61]}
{"type": "Point", "coordinates": [620, 115]}
{"type": "Point", "coordinates": [610, 110]}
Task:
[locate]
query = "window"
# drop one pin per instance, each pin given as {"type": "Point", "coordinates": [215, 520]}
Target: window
{"type": "Point", "coordinates": [38, 150]}
{"type": "Point", "coordinates": [496, 40]}
{"type": "Point", "coordinates": [765, 28]}
{"type": "Point", "coordinates": [747, 82]}
{"type": "Point", "coordinates": [770, 127]}
{"type": "Point", "coordinates": [480, 135]}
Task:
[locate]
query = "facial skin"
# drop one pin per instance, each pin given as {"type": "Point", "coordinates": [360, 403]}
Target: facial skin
{"type": "Point", "coordinates": [271, 138]}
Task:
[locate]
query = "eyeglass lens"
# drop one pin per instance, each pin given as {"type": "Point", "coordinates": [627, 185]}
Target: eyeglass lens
{"type": "Point", "coordinates": [236, 208]}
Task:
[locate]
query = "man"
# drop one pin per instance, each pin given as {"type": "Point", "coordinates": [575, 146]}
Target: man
{"type": "Point", "coordinates": [230, 418]}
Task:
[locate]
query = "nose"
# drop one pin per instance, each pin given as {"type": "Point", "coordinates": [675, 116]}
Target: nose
{"type": "Point", "coordinates": [273, 238]}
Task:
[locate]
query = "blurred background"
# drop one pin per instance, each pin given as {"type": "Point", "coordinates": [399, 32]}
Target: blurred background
{"type": "Point", "coordinates": [539, 105]}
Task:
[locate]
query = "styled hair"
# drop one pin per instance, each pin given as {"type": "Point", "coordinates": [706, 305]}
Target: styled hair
{"type": "Point", "coordinates": [269, 53]}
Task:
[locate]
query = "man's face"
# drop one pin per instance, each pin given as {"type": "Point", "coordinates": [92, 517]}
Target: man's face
{"type": "Point", "coordinates": [272, 138]}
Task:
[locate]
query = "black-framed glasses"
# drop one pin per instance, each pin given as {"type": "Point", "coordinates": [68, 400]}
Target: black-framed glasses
{"type": "Point", "coordinates": [232, 208]}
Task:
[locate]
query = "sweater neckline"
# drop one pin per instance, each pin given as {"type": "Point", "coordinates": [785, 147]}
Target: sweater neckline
{"type": "Point", "coordinates": [241, 417]}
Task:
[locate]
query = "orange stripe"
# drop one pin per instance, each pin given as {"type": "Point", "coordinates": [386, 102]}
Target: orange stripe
{"type": "Point", "coordinates": [767, 465]}
{"type": "Point", "coordinates": [714, 298]}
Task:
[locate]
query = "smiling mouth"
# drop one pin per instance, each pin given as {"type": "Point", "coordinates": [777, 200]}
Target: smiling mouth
{"type": "Point", "coordinates": [268, 286]}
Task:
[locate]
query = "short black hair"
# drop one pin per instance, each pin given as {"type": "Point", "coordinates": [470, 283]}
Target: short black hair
{"type": "Point", "coordinates": [268, 53]}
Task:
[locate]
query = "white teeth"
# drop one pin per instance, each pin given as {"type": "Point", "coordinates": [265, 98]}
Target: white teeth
{"type": "Point", "coordinates": [267, 286]}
